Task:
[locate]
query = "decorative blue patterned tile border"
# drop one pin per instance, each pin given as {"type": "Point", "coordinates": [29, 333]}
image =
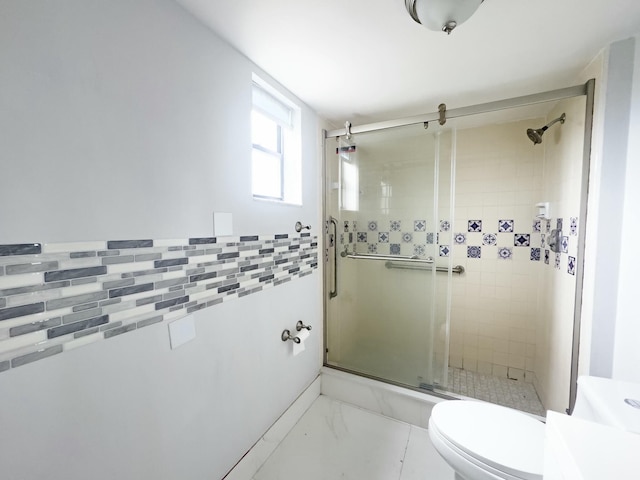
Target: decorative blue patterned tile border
{"type": "Point", "coordinates": [505, 226]}
{"type": "Point", "coordinates": [521, 240]}
{"type": "Point", "coordinates": [56, 297]}
{"type": "Point", "coordinates": [489, 239]}
{"type": "Point", "coordinates": [475, 225]}
{"type": "Point", "coordinates": [535, 254]}
{"type": "Point", "coordinates": [536, 226]}
{"type": "Point", "coordinates": [474, 252]}
{"type": "Point", "coordinates": [571, 266]}
{"type": "Point", "coordinates": [399, 240]}
{"type": "Point", "coordinates": [573, 226]}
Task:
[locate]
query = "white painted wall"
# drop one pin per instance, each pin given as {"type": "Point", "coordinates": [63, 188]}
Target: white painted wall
{"type": "Point", "coordinates": [626, 356]}
{"type": "Point", "coordinates": [607, 225]}
{"type": "Point", "coordinates": [124, 120]}
{"type": "Point", "coordinates": [147, 111]}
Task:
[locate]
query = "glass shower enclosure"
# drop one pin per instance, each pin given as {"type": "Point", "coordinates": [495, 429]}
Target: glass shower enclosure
{"type": "Point", "coordinates": [389, 205]}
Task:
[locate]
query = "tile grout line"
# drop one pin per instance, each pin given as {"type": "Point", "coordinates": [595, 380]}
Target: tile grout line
{"type": "Point", "coordinates": [406, 448]}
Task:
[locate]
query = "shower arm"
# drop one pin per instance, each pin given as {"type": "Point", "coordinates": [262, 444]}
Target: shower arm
{"type": "Point", "coordinates": [560, 119]}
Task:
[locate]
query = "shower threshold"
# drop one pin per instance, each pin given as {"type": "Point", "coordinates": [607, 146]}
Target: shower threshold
{"type": "Point", "coordinates": [465, 384]}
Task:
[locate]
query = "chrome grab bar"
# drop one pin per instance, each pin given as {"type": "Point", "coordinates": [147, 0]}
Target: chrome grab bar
{"type": "Point", "coordinates": [371, 256]}
{"type": "Point", "coordinates": [459, 269]}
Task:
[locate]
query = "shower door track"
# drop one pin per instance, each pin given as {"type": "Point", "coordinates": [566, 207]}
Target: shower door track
{"type": "Point", "coordinates": [550, 96]}
{"type": "Point", "coordinates": [587, 89]}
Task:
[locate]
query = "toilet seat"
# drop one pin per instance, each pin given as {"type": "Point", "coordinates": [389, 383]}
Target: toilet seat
{"type": "Point", "coordinates": [502, 442]}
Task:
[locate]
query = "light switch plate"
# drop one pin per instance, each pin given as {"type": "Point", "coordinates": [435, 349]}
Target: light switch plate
{"type": "Point", "coordinates": [182, 331]}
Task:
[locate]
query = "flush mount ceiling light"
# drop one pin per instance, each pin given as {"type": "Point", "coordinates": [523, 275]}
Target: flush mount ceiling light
{"type": "Point", "coordinates": [442, 15]}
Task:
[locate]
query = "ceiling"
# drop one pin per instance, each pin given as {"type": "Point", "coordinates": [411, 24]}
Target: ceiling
{"type": "Point", "coordinates": [367, 60]}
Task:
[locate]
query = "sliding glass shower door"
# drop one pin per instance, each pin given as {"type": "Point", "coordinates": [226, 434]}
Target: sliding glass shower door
{"type": "Point", "coordinates": [388, 275]}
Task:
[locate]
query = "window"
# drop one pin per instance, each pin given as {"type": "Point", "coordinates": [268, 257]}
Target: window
{"type": "Point", "coordinates": [275, 138]}
{"type": "Point", "coordinates": [267, 157]}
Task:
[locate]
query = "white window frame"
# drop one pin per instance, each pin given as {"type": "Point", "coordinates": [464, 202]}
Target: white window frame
{"type": "Point", "coordinates": [267, 101]}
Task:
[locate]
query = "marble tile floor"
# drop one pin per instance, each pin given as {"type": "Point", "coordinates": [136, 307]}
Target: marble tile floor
{"type": "Point", "coordinates": [336, 440]}
{"type": "Point", "coordinates": [502, 391]}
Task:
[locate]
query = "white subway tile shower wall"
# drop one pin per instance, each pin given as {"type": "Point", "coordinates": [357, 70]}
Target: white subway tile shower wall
{"type": "Point", "coordinates": [56, 297]}
{"type": "Point", "coordinates": [562, 187]}
{"type": "Point", "coordinates": [500, 176]}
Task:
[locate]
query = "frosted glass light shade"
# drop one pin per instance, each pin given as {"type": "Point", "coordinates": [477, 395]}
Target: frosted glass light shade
{"type": "Point", "coordinates": [436, 14]}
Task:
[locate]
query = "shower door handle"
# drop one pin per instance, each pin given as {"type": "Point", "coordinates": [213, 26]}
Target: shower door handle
{"type": "Point", "coordinates": [333, 292]}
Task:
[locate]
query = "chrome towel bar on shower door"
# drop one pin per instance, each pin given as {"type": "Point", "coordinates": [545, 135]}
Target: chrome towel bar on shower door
{"type": "Point", "coordinates": [370, 256]}
{"type": "Point", "coordinates": [406, 262]}
{"type": "Point", "coordinates": [459, 269]}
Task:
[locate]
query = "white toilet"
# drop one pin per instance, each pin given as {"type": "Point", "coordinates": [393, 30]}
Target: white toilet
{"type": "Point", "coordinates": [483, 441]}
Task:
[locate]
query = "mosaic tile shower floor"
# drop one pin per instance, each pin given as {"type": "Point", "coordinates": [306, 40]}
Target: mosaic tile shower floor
{"type": "Point", "coordinates": [502, 391]}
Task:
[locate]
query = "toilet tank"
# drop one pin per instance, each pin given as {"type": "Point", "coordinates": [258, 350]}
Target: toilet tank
{"type": "Point", "coordinates": [609, 402]}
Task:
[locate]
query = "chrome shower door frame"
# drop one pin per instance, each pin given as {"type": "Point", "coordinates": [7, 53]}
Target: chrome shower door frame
{"type": "Point", "coordinates": [588, 90]}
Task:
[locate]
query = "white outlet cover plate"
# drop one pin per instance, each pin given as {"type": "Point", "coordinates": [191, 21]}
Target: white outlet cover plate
{"type": "Point", "coordinates": [222, 224]}
{"type": "Point", "coordinates": [182, 331]}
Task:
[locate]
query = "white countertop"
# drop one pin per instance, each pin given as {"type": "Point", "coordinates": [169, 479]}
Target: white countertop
{"type": "Point", "coordinates": [577, 449]}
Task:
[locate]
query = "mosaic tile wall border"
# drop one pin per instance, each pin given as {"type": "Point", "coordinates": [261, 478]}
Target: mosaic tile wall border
{"type": "Point", "coordinates": [56, 297]}
{"type": "Point", "coordinates": [412, 237]}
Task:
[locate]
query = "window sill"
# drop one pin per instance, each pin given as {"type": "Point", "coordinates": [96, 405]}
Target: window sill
{"type": "Point", "coordinates": [278, 202]}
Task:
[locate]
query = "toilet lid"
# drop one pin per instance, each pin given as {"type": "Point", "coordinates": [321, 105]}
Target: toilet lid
{"type": "Point", "coordinates": [505, 439]}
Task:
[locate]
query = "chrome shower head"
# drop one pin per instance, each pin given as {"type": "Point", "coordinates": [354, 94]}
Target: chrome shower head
{"type": "Point", "coordinates": [536, 135]}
